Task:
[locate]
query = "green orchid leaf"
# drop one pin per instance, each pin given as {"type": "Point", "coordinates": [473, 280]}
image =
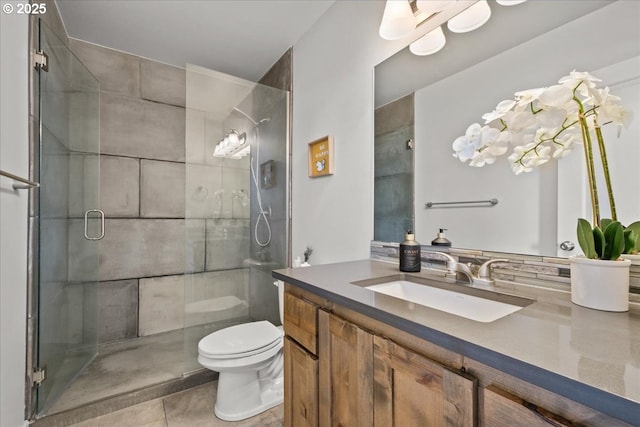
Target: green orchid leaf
{"type": "Point", "coordinates": [604, 223]}
{"type": "Point", "coordinates": [635, 228]}
{"type": "Point", "coordinates": [599, 242]}
{"type": "Point", "coordinates": [585, 238]}
{"type": "Point", "coordinates": [630, 241]}
{"type": "Point", "coordinates": [614, 236]}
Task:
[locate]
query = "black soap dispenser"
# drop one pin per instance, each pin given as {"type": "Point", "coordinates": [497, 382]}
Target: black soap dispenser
{"type": "Point", "coordinates": [440, 240]}
{"type": "Point", "coordinates": [410, 257]}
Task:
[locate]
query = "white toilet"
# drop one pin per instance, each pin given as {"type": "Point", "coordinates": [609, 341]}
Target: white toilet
{"type": "Point", "coordinates": [249, 358]}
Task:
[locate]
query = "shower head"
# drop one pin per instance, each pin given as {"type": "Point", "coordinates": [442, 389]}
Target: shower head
{"type": "Point", "coordinates": [255, 123]}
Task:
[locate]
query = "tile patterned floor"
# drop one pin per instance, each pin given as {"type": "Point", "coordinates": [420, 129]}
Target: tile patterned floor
{"type": "Point", "coordinates": [188, 408]}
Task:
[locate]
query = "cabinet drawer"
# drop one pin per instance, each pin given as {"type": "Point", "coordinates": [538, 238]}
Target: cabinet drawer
{"type": "Point", "coordinates": [301, 321]}
{"type": "Point", "coordinates": [502, 409]}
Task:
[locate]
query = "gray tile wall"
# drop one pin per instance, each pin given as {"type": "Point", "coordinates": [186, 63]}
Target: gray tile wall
{"type": "Point", "coordinates": [162, 186]}
{"type": "Point", "coordinates": [117, 314]}
{"type": "Point", "coordinates": [162, 83]}
{"type": "Point", "coordinates": [137, 128]}
{"type": "Point", "coordinates": [162, 219]}
{"type": "Point", "coordinates": [120, 186]}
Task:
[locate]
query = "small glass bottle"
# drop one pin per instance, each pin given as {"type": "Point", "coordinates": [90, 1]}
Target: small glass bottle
{"type": "Point", "coordinates": [410, 257]}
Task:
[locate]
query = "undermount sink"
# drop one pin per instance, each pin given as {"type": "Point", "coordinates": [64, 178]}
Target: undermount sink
{"type": "Point", "coordinates": [460, 300]}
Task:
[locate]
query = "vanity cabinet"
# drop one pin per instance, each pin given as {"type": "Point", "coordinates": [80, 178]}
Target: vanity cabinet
{"type": "Point", "coordinates": [412, 390]}
{"type": "Point", "coordinates": [343, 368]}
{"type": "Point", "coordinates": [344, 375]}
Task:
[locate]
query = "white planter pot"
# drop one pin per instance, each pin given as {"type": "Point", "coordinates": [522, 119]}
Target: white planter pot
{"type": "Point", "coordinates": [635, 259]}
{"type": "Point", "coordinates": [601, 285]}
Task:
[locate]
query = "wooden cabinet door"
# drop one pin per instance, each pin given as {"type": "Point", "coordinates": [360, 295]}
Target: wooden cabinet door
{"type": "Point", "coordinates": [345, 353]}
{"type": "Point", "coordinates": [502, 409]}
{"type": "Point", "coordinates": [300, 386]}
{"type": "Point", "coordinates": [411, 390]}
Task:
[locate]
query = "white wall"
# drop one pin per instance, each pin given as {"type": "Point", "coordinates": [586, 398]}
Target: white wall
{"type": "Point", "coordinates": [333, 94]}
{"type": "Point", "coordinates": [13, 215]}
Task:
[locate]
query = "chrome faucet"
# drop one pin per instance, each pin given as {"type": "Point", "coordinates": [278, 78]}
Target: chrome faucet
{"type": "Point", "coordinates": [456, 267]}
{"type": "Point", "coordinates": [484, 272]}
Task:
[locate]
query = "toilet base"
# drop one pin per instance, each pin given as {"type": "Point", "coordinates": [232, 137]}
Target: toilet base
{"type": "Point", "coordinates": [269, 399]}
{"type": "Point", "coordinates": [242, 395]}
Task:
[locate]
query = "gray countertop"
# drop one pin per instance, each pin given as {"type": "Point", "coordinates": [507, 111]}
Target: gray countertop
{"type": "Point", "coordinates": [589, 356]}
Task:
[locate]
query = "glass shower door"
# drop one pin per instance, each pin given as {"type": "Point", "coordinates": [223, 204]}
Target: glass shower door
{"type": "Point", "coordinates": [69, 223]}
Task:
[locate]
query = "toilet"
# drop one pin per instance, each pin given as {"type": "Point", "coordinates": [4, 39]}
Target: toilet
{"type": "Point", "coordinates": [249, 359]}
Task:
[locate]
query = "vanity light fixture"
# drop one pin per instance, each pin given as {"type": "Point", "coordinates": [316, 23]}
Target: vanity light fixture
{"type": "Point", "coordinates": [233, 145]}
{"type": "Point", "coordinates": [429, 44]}
{"type": "Point", "coordinates": [398, 20]}
{"type": "Point", "coordinates": [471, 19]}
{"type": "Point", "coordinates": [424, 18]}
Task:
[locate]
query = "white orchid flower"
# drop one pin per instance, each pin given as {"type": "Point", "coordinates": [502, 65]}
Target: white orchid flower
{"type": "Point", "coordinates": [539, 156]}
{"type": "Point", "coordinates": [612, 111]}
{"type": "Point", "coordinates": [617, 115]}
{"type": "Point", "coordinates": [541, 124]}
{"type": "Point", "coordinates": [552, 119]}
{"type": "Point", "coordinates": [556, 96]}
{"type": "Point", "coordinates": [492, 146]}
{"type": "Point", "coordinates": [502, 108]}
{"type": "Point", "coordinates": [520, 121]}
{"type": "Point", "coordinates": [564, 147]}
{"type": "Point", "coordinates": [465, 146]}
{"type": "Point", "coordinates": [581, 80]}
{"type": "Point", "coordinates": [525, 97]}
{"type": "Point", "coordinates": [522, 138]}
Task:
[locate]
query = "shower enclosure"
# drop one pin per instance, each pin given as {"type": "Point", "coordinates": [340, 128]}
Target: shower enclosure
{"type": "Point", "coordinates": [144, 241]}
{"type": "Point", "coordinates": [68, 267]}
{"type": "Point", "coordinates": [236, 202]}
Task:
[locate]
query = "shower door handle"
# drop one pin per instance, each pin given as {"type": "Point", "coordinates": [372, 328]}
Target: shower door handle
{"type": "Point", "coordinates": [86, 224]}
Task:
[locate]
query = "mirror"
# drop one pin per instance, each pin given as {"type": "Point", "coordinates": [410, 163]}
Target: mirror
{"type": "Point", "coordinates": [525, 46]}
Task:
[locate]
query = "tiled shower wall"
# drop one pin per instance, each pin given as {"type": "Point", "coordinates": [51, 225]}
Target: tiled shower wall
{"type": "Point", "coordinates": [143, 256]}
{"type": "Point", "coordinates": [393, 189]}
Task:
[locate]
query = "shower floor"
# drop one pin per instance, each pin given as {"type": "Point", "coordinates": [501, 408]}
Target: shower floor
{"type": "Point", "coordinates": [126, 366]}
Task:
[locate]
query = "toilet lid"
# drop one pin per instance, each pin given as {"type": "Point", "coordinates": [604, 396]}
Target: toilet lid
{"type": "Point", "coordinates": [240, 340]}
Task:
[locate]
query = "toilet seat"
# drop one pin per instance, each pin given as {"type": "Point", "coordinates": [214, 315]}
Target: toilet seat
{"type": "Point", "coordinates": [241, 363]}
{"type": "Point", "coordinates": [209, 355]}
{"type": "Point", "coordinates": [240, 341]}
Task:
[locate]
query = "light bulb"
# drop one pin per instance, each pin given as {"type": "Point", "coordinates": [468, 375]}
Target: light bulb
{"type": "Point", "coordinates": [509, 2]}
{"type": "Point", "coordinates": [470, 19]}
{"type": "Point", "coordinates": [428, 44]}
{"type": "Point", "coordinates": [397, 21]}
{"type": "Point", "coordinates": [233, 138]}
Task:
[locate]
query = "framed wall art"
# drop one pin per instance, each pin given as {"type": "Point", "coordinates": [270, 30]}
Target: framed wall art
{"type": "Point", "coordinates": [321, 157]}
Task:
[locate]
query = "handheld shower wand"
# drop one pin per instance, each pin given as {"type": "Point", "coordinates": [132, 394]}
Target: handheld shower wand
{"type": "Point", "coordinates": [262, 214]}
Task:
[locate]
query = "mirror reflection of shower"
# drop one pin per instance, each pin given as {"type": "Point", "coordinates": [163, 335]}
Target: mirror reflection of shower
{"type": "Point", "coordinates": [235, 146]}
